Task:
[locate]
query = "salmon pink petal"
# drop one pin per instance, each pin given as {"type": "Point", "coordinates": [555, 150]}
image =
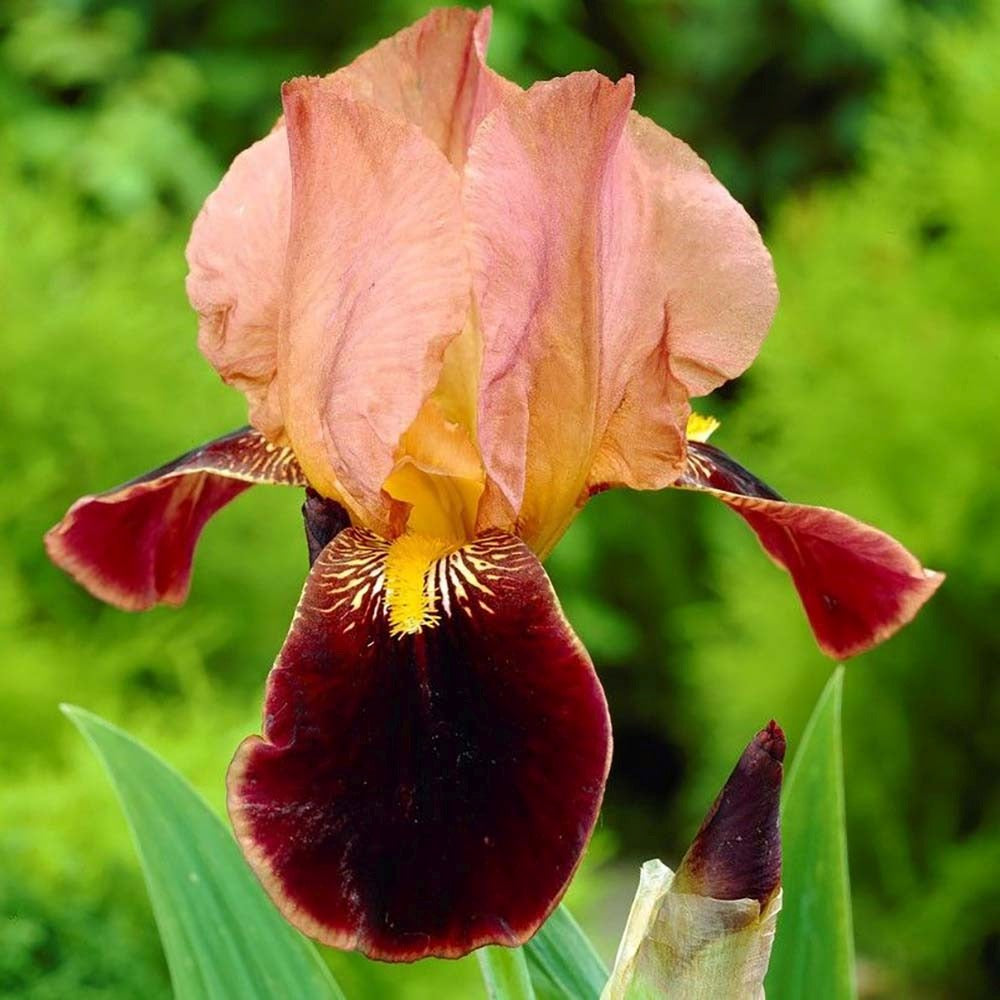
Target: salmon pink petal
{"type": "Point", "coordinates": [614, 276]}
{"type": "Point", "coordinates": [423, 789]}
{"type": "Point", "coordinates": [376, 287]}
{"type": "Point", "coordinates": [714, 275]}
{"type": "Point", "coordinates": [132, 546]}
{"type": "Point", "coordinates": [540, 193]}
{"type": "Point", "coordinates": [236, 258]}
{"type": "Point", "coordinates": [858, 585]}
{"type": "Point", "coordinates": [434, 75]}
{"type": "Point", "coordinates": [709, 270]}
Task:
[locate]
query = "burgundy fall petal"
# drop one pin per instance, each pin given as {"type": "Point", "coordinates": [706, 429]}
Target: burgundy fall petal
{"type": "Point", "coordinates": [132, 546]}
{"type": "Point", "coordinates": [426, 793]}
{"type": "Point", "coordinates": [858, 585]}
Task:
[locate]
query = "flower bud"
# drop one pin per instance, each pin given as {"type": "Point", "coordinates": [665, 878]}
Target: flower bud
{"type": "Point", "coordinates": [706, 932]}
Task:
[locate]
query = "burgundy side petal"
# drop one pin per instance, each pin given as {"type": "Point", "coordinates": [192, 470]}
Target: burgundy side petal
{"type": "Point", "coordinates": [858, 585]}
{"type": "Point", "coordinates": [132, 546]}
{"type": "Point", "coordinates": [427, 793]}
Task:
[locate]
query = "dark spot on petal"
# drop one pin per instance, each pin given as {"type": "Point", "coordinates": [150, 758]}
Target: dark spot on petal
{"type": "Point", "coordinates": [324, 519]}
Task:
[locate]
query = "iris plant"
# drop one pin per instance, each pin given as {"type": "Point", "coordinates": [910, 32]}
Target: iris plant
{"type": "Point", "coordinates": [457, 309]}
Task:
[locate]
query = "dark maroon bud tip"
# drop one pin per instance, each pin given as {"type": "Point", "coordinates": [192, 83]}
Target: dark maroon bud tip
{"type": "Point", "coordinates": [771, 739]}
{"type": "Point", "coordinates": [737, 852]}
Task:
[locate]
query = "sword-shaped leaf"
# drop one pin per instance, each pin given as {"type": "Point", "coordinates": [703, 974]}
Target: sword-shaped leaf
{"type": "Point", "coordinates": [563, 962]}
{"type": "Point", "coordinates": [814, 949]}
{"type": "Point", "coordinates": [222, 936]}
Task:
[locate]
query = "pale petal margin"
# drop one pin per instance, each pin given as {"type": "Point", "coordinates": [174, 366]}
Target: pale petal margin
{"type": "Point", "coordinates": [857, 584]}
{"type": "Point", "coordinates": [613, 276]}
{"type": "Point", "coordinates": [132, 546]}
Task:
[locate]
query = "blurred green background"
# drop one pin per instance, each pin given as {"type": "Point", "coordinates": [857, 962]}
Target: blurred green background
{"type": "Point", "coordinates": [863, 134]}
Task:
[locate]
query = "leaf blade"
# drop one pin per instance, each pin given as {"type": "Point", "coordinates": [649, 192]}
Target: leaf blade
{"type": "Point", "coordinates": [222, 936]}
{"type": "Point", "coordinates": [505, 973]}
{"type": "Point", "coordinates": [814, 948]}
{"type": "Point", "coordinates": [563, 962]}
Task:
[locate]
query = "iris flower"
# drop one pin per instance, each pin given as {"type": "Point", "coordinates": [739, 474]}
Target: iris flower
{"type": "Point", "coordinates": [457, 309]}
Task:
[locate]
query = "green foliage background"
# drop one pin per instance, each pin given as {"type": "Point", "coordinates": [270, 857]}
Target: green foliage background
{"type": "Point", "coordinates": [865, 135]}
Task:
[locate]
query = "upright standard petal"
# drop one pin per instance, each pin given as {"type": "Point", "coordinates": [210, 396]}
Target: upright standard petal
{"type": "Point", "coordinates": [434, 75]}
{"type": "Point", "coordinates": [236, 260]}
{"type": "Point", "coordinates": [132, 546]}
{"type": "Point", "coordinates": [377, 286]}
{"type": "Point", "coordinates": [540, 184]}
{"type": "Point", "coordinates": [434, 754]}
{"type": "Point", "coordinates": [706, 932]}
{"type": "Point", "coordinates": [614, 276]}
{"type": "Point", "coordinates": [858, 585]}
{"type": "Point", "coordinates": [704, 263]}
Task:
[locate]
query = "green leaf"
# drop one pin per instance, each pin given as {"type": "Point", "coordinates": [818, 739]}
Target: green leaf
{"type": "Point", "coordinates": [562, 961]}
{"type": "Point", "coordinates": [813, 952]}
{"type": "Point", "coordinates": [223, 938]}
{"type": "Point", "coordinates": [505, 973]}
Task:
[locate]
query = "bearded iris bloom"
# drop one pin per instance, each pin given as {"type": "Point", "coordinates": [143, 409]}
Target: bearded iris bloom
{"type": "Point", "coordinates": [457, 310]}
